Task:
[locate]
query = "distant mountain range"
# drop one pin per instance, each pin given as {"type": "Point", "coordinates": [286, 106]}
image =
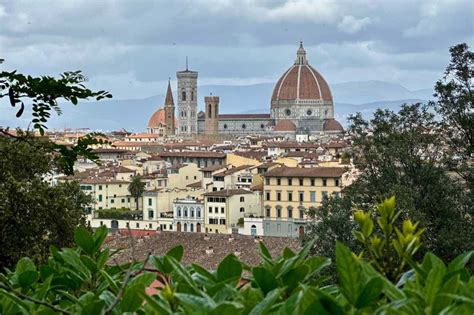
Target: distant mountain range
{"type": "Point", "coordinates": [133, 114]}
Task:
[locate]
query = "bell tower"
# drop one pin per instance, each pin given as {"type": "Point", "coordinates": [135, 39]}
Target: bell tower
{"type": "Point", "coordinates": [211, 124]}
{"type": "Point", "coordinates": [187, 102]}
{"type": "Point", "coordinates": [169, 111]}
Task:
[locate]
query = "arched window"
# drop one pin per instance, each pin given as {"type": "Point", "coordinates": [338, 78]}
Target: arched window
{"type": "Point", "coordinates": [253, 230]}
{"type": "Point", "coordinates": [192, 95]}
{"type": "Point", "coordinates": [191, 227]}
{"type": "Point", "coordinates": [185, 212]}
{"type": "Point", "coordinates": [183, 95]}
{"type": "Point", "coordinates": [242, 209]}
{"type": "Point", "coordinates": [185, 227]}
{"type": "Point", "coordinates": [198, 212]}
{"type": "Point", "coordinates": [179, 211]}
{"type": "Point", "coordinates": [244, 126]}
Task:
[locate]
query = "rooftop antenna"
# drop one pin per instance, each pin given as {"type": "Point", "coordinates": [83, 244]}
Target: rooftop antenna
{"type": "Point", "coordinates": [186, 63]}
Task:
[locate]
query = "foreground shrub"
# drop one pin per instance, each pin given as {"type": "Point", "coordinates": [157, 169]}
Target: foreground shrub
{"type": "Point", "coordinates": [79, 281]}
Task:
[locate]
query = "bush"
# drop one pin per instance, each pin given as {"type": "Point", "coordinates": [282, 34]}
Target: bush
{"type": "Point", "coordinates": [118, 214]}
{"type": "Point", "coordinates": [79, 280]}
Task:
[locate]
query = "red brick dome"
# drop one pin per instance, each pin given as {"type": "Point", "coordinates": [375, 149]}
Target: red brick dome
{"type": "Point", "coordinates": [158, 119]}
{"type": "Point", "coordinates": [301, 81]}
{"type": "Point", "coordinates": [285, 125]}
{"type": "Point", "coordinates": [332, 125]}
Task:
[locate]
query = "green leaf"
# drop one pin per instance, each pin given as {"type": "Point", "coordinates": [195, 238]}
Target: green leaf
{"type": "Point", "coordinates": [132, 299]}
{"type": "Point", "coordinates": [74, 100]}
{"type": "Point", "coordinates": [156, 304]}
{"type": "Point", "coordinates": [370, 293]}
{"type": "Point", "coordinates": [348, 269]}
{"type": "Point", "coordinates": [94, 308]}
{"type": "Point", "coordinates": [265, 279]}
{"type": "Point", "coordinates": [84, 240]}
{"type": "Point", "coordinates": [99, 237]}
{"type": "Point", "coordinates": [433, 282]}
{"type": "Point", "coordinates": [89, 263]}
{"type": "Point", "coordinates": [229, 268]}
{"type": "Point", "coordinates": [24, 264]}
{"type": "Point", "coordinates": [288, 253]}
{"type": "Point", "coordinates": [265, 254]}
{"type": "Point", "coordinates": [459, 262]}
{"type": "Point", "coordinates": [203, 272]}
{"type": "Point", "coordinates": [176, 252]}
{"type": "Point", "coordinates": [294, 277]}
{"type": "Point", "coordinates": [264, 306]}
{"type": "Point", "coordinates": [27, 278]}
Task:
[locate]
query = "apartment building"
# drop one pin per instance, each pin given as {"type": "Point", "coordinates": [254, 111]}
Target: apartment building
{"type": "Point", "coordinates": [288, 192]}
{"type": "Point", "coordinates": [224, 208]}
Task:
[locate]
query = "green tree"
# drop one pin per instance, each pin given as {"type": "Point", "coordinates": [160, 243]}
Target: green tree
{"type": "Point", "coordinates": [331, 222]}
{"type": "Point", "coordinates": [136, 189]}
{"type": "Point", "coordinates": [42, 95]}
{"type": "Point", "coordinates": [403, 154]}
{"type": "Point", "coordinates": [33, 213]}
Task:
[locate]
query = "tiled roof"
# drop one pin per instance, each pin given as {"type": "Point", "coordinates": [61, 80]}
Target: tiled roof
{"type": "Point", "coordinates": [199, 154]}
{"type": "Point", "coordinates": [285, 125]}
{"type": "Point", "coordinates": [195, 185]}
{"type": "Point", "coordinates": [232, 170]}
{"type": "Point", "coordinates": [305, 172]}
{"type": "Point", "coordinates": [228, 192]}
{"type": "Point", "coordinates": [332, 125]}
{"type": "Point", "coordinates": [243, 116]}
{"type": "Point", "coordinates": [212, 168]}
{"type": "Point", "coordinates": [196, 244]}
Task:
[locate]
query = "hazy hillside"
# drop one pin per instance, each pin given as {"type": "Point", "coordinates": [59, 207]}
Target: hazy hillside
{"type": "Point", "coordinates": [133, 114]}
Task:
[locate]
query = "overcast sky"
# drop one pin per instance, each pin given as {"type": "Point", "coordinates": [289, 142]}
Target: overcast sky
{"type": "Point", "coordinates": [131, 47]}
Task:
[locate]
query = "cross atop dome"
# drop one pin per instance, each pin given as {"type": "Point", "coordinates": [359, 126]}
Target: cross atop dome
{"type": "Point", "coordinates": [301, 55]}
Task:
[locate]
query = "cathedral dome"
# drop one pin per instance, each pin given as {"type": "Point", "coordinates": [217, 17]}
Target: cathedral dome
{"type": "Point", "coordinates": [332, 125]}
{"type": "Point", "coordinates": [301, 82]}
{"type": "Point", "coordinates": [157, 119]}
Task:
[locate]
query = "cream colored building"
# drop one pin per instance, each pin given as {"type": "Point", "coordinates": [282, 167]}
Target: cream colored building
{"type": "Point", "coordinates": [224, 208]}
{"type": "Point", "coordinates": [181, 175]}
{"type": "Point", "coordinates": [289, 192]}
{"type": "Point", "coordinates": [108, 193]}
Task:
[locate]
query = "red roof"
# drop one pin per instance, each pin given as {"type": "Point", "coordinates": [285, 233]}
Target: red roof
{"type": "Point", "coordinates": [332, 125]}
{"type": "Point", "coordinates": [285, 125]}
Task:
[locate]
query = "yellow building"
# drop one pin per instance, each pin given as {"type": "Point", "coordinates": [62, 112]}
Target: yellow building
{"type": "Point", "coordinates": [108, 193]}
{"type": "Point", "coordinates": [289, 192]}
{"type": "Point", "coordinates": [224, 208]}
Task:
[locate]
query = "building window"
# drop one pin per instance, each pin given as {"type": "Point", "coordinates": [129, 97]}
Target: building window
{"type": "Point", "coordinates": [198, 212]}
{"type": "Point", "coordinates": [325, 182]}
{"type": "Point", "coordinates": [262, 126]}
{"type": "Point", "coordinates": [290, 181]}
{"type": "Point", "coordinates": [127, 224]}
{"type": "Point", "coordinates": [290, 196]}
{"type": "Point", "coordinates": [100, 197]}
{"type": "Point", "coordinates": [267, 181]}
{"type": "Point", "coordinates": [278, 212]}
{"type": "Point", "coordinates": [301, 196]}
{"type": "Point", "coordinates": [185, 212]}
{"type": "Point", "coordinates": [183, 95]}
{"type": "Point", "coordinates": [312, 196]}
{"type": "Point", "coordinates": [150, 226]}
{"type": "Point", "coordinates": [336, 182]}
{"type": "Point", "coordinates": [100, 187]}
{"type": "Point", "coordinates": [191, 227]}
{"type": "Point", "coordinates": [192, 95]}
{"type": "Point", "coordinates": [309, 112]}
{"type": "Point", "coordinates": [336, 195]}
{"type": "Point", "coordinates": [123, 200]}
{"type": "Point", "coordinates": [301, 214]}
{"type": "Point", "coordinates": [278, 181]}
{"type": "Point", "coordinates": [150, 201]}
{"type": "Point", "coordinates": [222, 221]}
{"type": "Point", "coordinates": [210, 209]}
{"type": "Point", "coordinates": [242, 209]}
{"type": "Point", "coordinates": [325, 195]}
{"type": "Point", "coordinates": [179, 212]}
{"type": "Point", "coordinates": [268, 212]}
{"type": "Point", "coordinates": [216, 210]}
{"type": "Point", "coordinates": [267, 195]}
{"type": "Point", "coordinates": [312, 182]}
{"type": "Point", "coordinates": [137, 225]}
{"type": "Point", "coordinates": [290, 213]}
{"type": "Point", "coordinates": [112, 201]}
{"type": "Point", "coordinates": [287, 112]}
{"type": "Point", "coordinates": [301, 182]}
{"type": "Point", "coordinates": [192, 213]}
{"type": "Point", "coordinates": [150, 214]}
{"type": "Point", "coordinates": [225, 126]}
{"type": "Point", "coordinates": [242, 199]}
{"type": "Point", "coordinates": [253, 230]}
{"type": "Point", "coordinates": [222, 209]}
{"type": "Point", "coordinates": [278, 196]}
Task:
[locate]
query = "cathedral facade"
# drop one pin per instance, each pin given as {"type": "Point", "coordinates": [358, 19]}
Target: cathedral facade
{"type": "Point", "coordinates": [301, 103]}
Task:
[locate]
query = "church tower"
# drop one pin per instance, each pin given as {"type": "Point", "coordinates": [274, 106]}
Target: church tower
{"type": "Point", "coordinates": [211, 123]}
{"type": "Point", "coordinates": [169, 111]}
{"type": "Point", "coordinates": [187, 102]}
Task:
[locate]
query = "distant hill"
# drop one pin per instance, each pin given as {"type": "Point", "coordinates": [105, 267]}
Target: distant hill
{"type": "Point", "coordinates": [133, 114]}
